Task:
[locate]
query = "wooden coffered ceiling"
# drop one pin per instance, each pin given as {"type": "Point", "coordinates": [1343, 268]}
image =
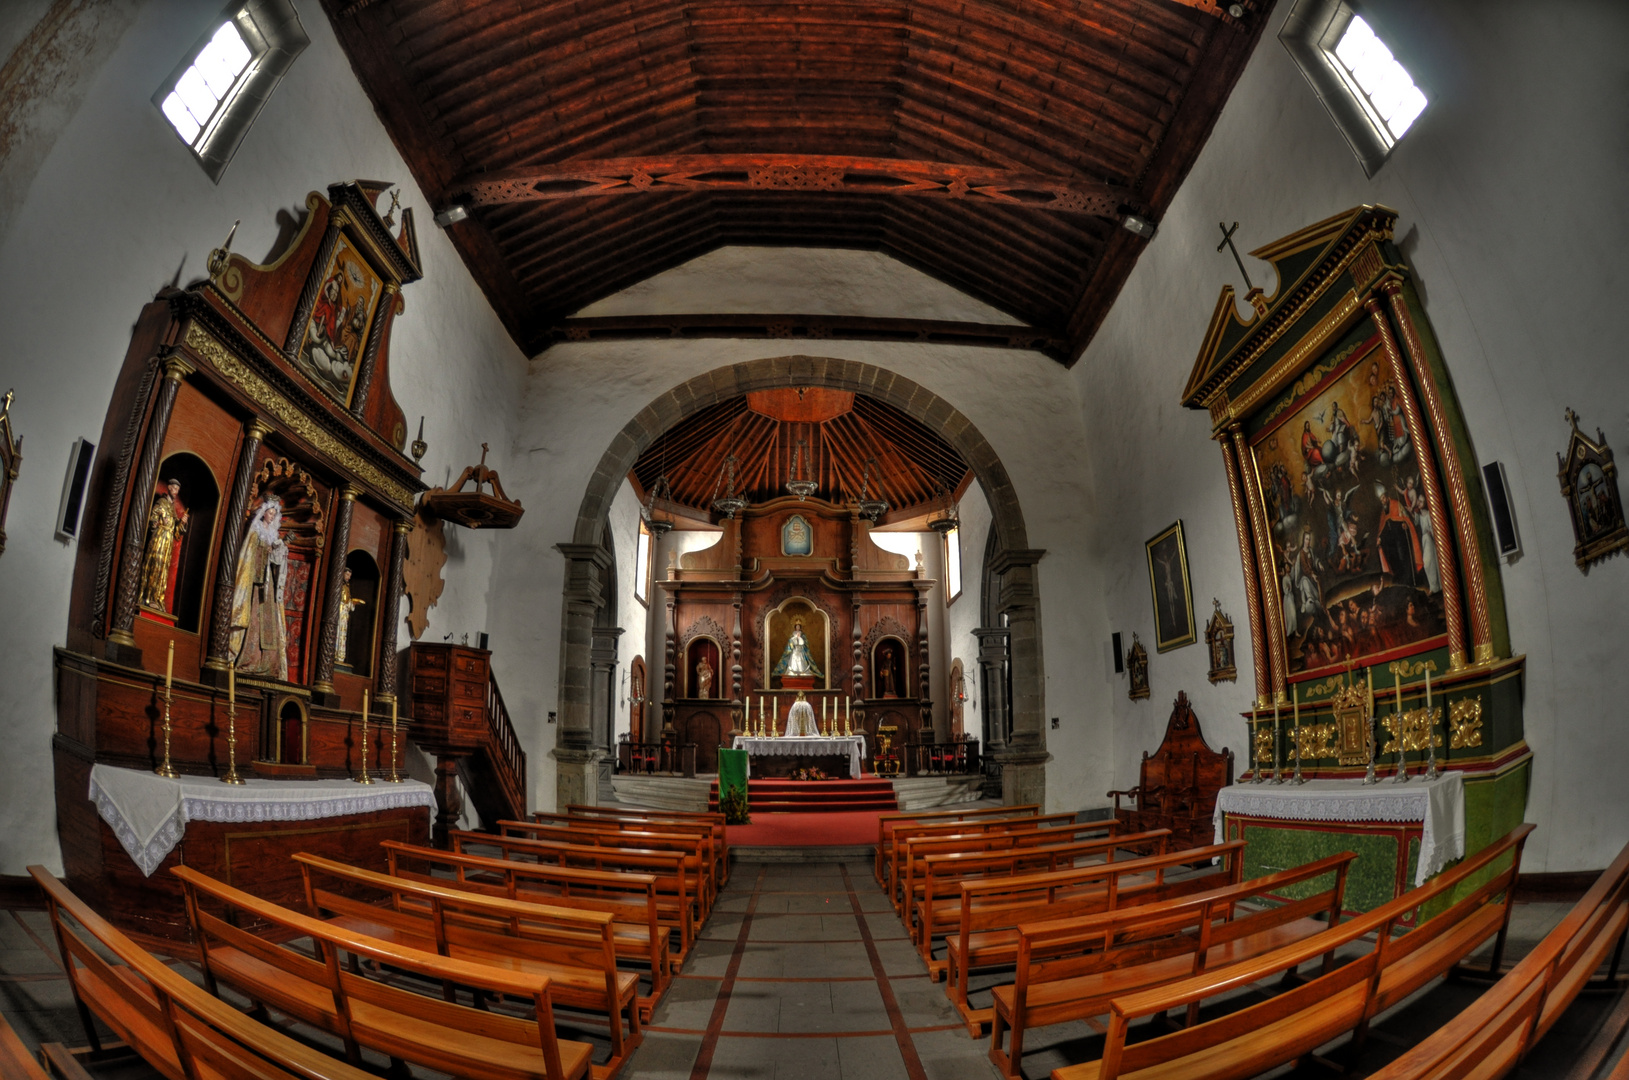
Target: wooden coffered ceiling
{"type": "Point", "coordinates": [832, 433]}
{"type": "Point", "coordinates": [996, 145]}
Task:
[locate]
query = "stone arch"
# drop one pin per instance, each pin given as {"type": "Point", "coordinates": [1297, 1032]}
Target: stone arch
{"type": "Point", "coordinates": [1024, 776]}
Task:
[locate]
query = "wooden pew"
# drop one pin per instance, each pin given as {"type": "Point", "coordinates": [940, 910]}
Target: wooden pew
{"type": "Point", "coordinates": [702, 830]}
{"type": "Point", "coordinates": [630, 899]}
{"type": "Point", "coordinates": [1069, 969]}
{"type": "Point", "coordinates": [16, 1063]}
{"type": "Point", "coordinates": [721, 832]}
{"type": "Point", "coordinates": [444, 1035]}
{"type": "Point", "coordinates": [887, 822]}
{"type": "Point", "coordinates": [675, 887]}
{"type": "Point", "coordinates": [935, 882]}
{"type": "Point", "coordinates": [988, 913]}
{"type": "Point", "coordinates": [178, 1028]}
{"type": "Point", "coordinates": [967, 835]}
{"type": "Point", "coordinates": [1493, 1035]}
{"type": "Point", "coordinates": [574, 949]}
{"type": "Point", "coordinates": [697, 849]}
{"type": "Point", "coordinates": [1292, 1024]}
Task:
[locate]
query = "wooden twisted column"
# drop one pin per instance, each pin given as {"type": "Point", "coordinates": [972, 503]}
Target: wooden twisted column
{"type": "Point", "coordinates": [1428, 480]}
{"type": "Point", "coordinates": [1273, 606]}
{"type": "Point", "coordinates": [324, 683]}
{"type": "Point", "coordinates": [370, 351]}
{"type": "Point", "coordinates": [390, 615]}
{"type": "Point", "coordinates": [308, 294]}
{"type": "Point", "coordinates": [226, 565]}
{"type": "Point", "coordinates": [1252, 574]}
{"type": "Point", "coordinates": [121, 636]}
{"type": "Point", "coordinates": [1470, 548]}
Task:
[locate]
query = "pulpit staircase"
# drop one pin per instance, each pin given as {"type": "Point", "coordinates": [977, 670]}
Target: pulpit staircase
{"type": "Point", "coordinates": [459, 716]}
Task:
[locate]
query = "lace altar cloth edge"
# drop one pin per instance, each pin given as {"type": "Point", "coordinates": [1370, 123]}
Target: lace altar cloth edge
{"type": "Point", "coordinates": [1438, 805]}
{"type": "Point", "coordinates": [149, 813]}
{"type": "Point", "coordinates": [792, 745]}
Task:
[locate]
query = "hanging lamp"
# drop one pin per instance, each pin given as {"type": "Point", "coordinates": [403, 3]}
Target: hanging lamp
{"type": "Point", "coordinates": [801, 488]}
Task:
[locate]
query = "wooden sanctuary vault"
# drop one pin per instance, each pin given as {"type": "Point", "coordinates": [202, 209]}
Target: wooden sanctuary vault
{"type": "Point", "coordinates": [250, 509]}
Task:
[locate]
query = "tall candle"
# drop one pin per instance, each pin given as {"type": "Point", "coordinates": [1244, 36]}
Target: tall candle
{"type": "Point", "coordinates": [169, 666]}
{"type": "Point", "coordinates": [231, 684]}
{"type": "Point", "coordinates": [823, 702]}
{"type": "Point", "coordinates": [1428, 692]}
{"type": "Point", "coordinates": [364, 706]}
{"type": "Point", "coordinates": [848, 709]}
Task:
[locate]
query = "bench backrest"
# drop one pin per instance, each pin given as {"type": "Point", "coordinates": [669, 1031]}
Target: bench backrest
{"type": "Point", "coordinates": [715, 821]}
{"type": "Point", "coordinates": [426, 1043]}
{"type": "Point", "coordinates": [697, 845]}
{"type": "Point", "coordinates": [176, 1026]}
{"type": "Point", "coordinates": [967, 834]}
{"type": "Point", "coordinates": [938, 875]}
{"type": "Point", "coordinates": [886, 823]}
{"type": "Point", "coordinates": [627, 897]}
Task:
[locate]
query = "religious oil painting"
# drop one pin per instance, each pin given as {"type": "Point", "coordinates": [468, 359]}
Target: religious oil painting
{"type": "Point", "coordinates": [796, 537]}
{"type": "Point", "coordinates": [1354, 554]}
{"type": "Point", "coordinates": [338, 327]}
{"type": "Point", "coordinates": [1589, 483]}
{"type": "Point", "coordinates": [1168, 577]}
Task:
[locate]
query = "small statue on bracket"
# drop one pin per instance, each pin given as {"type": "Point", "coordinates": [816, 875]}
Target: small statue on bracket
{"type": "Point", "coordinates": [1137, 666]}
{"type": "Point", "coordinates": [1219, 637]}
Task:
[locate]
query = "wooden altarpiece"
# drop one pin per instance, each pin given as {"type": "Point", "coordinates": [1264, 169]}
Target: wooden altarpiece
{"type": "Point", "coordinates": [865, 613]}
{"type": "Point", "coordinates": [260, 384]}
{"type": "Point", "coordinates": [1367, 553]}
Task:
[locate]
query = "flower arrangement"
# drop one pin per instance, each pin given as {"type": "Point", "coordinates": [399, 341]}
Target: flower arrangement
{"type": "Point", "coordinates": [733, 804]}
{"type": "Point", "coordinates": [808, 774]}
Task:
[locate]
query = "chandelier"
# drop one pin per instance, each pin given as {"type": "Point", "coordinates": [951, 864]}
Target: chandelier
{"type": "Point", "coordinates": [871, 508]}
{"type": "Point", "coordinates": [947, 518]}
{"type": "Point", "coordinates": [729, 504]}
{"type": "Point", "coordinates": [801, 488]}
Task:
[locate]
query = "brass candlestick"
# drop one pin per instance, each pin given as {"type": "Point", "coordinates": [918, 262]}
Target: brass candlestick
{"type": "Point", "coordinates": [1278, 741]}
{"type": "Point", "coordinates": [165, 769]}
{"type": "Point", "coordinates": [363, 777]}
{"type": "Point", "coordinates": [395, 777]}
{"type": "Point", "coordinates": [1295, 692]}
{"type": "Point", "coordinates": [1431, 772]}
{"type": "Point", "coordinates": [1369, 776]}
{"type": "Point", "coordinates": [232, 776]}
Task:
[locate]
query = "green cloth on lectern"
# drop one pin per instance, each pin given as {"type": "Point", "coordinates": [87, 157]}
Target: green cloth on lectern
{"type": "Point", "coordinates": [732, 771]}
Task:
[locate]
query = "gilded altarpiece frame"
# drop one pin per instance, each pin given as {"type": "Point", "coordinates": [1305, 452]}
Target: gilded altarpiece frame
{"type": "Point", "coordinates": [1361, 542]}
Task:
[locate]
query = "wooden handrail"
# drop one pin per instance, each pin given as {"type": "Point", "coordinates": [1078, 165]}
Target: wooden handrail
{"type": "Point", "coordinates": [505, 745]}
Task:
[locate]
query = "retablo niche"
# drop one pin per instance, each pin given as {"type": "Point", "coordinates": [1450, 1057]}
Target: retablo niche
{"type": "Point", "coordinates": [474, 509]}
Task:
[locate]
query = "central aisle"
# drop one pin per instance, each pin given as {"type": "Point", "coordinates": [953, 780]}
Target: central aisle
{"type": "Point", "coordinates": [804, 971]}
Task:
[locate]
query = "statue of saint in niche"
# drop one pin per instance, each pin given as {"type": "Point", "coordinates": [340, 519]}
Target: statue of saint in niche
{"type": "Point", "coordinates": [704, 678]}
{"type": "Point", "coordinates": [166, 525]}
{"type": "Point", "coordinates": [795, 658]}
{"type": "Point", "coordinates": [346, 605]}
{"type": "Point", "coordinates": [258, 628]}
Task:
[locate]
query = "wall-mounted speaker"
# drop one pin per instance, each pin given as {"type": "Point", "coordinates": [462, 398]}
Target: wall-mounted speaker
{"type": "Point", "coordinates": [72, 505]}
{"type": "Point", "coordinates": [1119, 657]}
{"type": "Point", "coordinates": [1504, 521]}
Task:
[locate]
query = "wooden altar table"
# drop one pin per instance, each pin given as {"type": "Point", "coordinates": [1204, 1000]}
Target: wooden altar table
{"type": "Point", "coordinates": [851, 747]}
{"type": "Point", "coordinates": [1403, 833]}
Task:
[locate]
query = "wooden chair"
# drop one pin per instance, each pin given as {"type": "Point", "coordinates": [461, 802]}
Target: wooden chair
{"type": "Point", "coordinates": [1290, 1025]}
{"type": "Point", "coordinates": [1177, 786]}
{"type": "Point", "coordinates": [320, 990]}
{"type": "Point", "coordinates": [574, 949]}
{"type": "Point", "coordinates": [1069, 969]}
{"type": "Point", "coordinates": [178, 1028]}
{"type": "Point", "coordinates": [887, 822]}
{"type": "Point", "coordinates": [638, 933]}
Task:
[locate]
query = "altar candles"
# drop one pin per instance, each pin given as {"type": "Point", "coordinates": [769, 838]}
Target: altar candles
{"type": "Point", "coordinates": [1428, 692]}
{"type": "Point", "coordinates": [231, 684]}
{"type": "Point", "coordinates": [169, 666]}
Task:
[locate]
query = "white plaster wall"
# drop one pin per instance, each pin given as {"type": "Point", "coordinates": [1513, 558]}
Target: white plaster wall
{"type": "Point", "coordinates": [966, 612]}
{"type": "Point", "coordinates": [117, 210]}
{"type": "Point", "coordinates": [1509, 190]}
{"type": "Point", "coordinates": [580, 394]}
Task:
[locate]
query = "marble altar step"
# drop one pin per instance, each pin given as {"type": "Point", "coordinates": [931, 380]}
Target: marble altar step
{"type": "Point", "coordinates": [814, 796]}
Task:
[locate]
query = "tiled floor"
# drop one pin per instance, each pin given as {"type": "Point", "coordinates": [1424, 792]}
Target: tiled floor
{"type": "Point", "coordinates": [804, 972]}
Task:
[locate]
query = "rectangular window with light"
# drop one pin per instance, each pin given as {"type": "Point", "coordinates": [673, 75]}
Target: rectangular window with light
{"type": "Point", "coordinates": [642, 560]}
{"type": "Point", "coordinates": [953, 565]}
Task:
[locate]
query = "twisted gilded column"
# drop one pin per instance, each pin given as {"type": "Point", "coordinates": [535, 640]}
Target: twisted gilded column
{"type": "Point", "coordinates": [370, 351]}
{"type": "Point", "coordinates": [390, 615]}
{"type": "Point", "coordinates": [1252, 573]}
{"type": "Point", "coordinates": [1470, 547]}
{"type": "Point", "coordinates": [1421, 439]}
{"type": "Point", "coordinates": [341, 542]}
{"type": "Point", "coordinates": [1273, 607]}
{"type": "Point", "coordinates": [121, 637]}
{"type": "Point", "coordinates": [313, 282]}
{"type": "Point", "coordinates": [226, 564]}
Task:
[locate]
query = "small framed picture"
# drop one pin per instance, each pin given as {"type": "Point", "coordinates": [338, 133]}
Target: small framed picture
{"type": "Point", "coordinates": [1173, 600]}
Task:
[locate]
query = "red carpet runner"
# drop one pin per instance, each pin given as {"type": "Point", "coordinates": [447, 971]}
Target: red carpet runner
{"type": "Point", "coordinates": [814, 796]}
{"type": "Point", "coordinates": [853, 828]}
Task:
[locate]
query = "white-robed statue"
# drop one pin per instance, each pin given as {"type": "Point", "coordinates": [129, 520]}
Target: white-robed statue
{"type": "Point", "coordinates": [260, 635]}
{"type": "Point", "coordinates": [800, 720]}
{"type": "Point", "coordinates": [795, 658]}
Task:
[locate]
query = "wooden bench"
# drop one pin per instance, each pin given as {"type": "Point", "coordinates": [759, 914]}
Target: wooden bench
{"type": "Point", "coordinates": [54, 1060]}
{"type": "Point", "coordinates": [988, 913]}
{"type": "Point", "coordinates": [178, 1028]}
{"type": "Point", "coordinates": [1177, 785]}
{"type": "Point", "coordinates": [721, 838]}
{"type": "Point", "coordinates": [674, 883]}
{"type": "Point", "coordinates": [916, 848]}
{"type": "Point", "coordinates": [938, 877]}
{"type": "Point", "coordinates": [702, 830]}
{"type": "Point", "coordinates": [968, 833]}
{"type": "Point", "coordinates": [696, 848]}
{"type": "Point", "coordinates": [1493, 1035]}
{"type": "Point", "coordinates": [338, 998]}
{"type": "Point", "coordinates": [574, 949]}
{"type": "Point", "coordinates": [1294, 1023]}
{"type": "Point", "coordinates": [887, 822]}
{"type": "Point", "coordinates": [630, 899]}
{"type": "Point", "coordinates": [1069, 969]}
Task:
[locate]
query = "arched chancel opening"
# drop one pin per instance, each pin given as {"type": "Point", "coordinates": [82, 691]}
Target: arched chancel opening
{"type": "Point", "coordinates": [1023, 775]}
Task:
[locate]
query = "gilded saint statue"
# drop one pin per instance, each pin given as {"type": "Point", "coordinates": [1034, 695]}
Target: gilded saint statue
{"type": "Point", "coordinates": [704, 678]}
{"type": "Point", "coordinates": [346, 606]}
{"type": "Point", "coordinates": [795, 658]}
{"type": "Point", "coordinates": [259, 632]}
{"type": "Point", "coordinates": [166, 524]}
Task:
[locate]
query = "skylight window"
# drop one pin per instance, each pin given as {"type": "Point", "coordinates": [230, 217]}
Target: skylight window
{"type": "Point", "coordinates": [220, 86]}
{"type": "Point", "coordinates": [1379, 80]}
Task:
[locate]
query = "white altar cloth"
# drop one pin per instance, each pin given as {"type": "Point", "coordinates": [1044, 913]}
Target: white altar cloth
{"type": "Point", "coordinates": [149, 813]}
{"type": "Point", "coordinates": [793, 745]}
{"type": "Point", "coordinates": [1439, 805]}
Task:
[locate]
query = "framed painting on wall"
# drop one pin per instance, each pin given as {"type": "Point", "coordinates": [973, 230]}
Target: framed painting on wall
{"type": "Point", "coordinates": [1168, 578]}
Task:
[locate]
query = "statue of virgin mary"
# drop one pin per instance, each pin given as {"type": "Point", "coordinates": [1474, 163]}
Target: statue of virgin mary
{"type": "Point", "coordinates": [795, 658]}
